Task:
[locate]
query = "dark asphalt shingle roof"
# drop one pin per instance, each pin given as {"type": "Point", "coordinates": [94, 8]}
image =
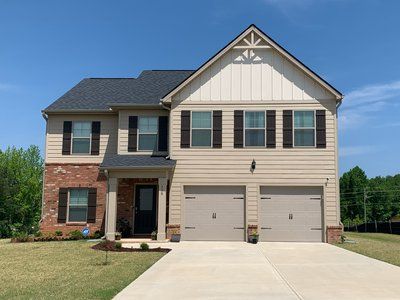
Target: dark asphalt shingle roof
{"type": "Point", "coordinates": [99, 93]}
{"type": "Point", "coordinates": [136, 161]}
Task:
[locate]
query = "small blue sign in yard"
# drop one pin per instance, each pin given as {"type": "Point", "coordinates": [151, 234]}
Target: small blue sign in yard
{"type": "Point", "coordinates": [85, 231]}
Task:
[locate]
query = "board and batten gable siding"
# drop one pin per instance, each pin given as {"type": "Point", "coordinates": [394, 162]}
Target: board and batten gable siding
{"type": "Point", "coordinates": [274, 166]}
{"type": "Point", "coordinates": [267, 76]}
{"type": "Point", "coordinates": [54, 137]}
{"type": "Point", "coordinates": [123, 128]}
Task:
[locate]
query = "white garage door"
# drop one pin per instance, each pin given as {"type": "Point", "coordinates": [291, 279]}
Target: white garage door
{"type": "Point", "coordinates": [291, 214]}
{"type": "Point", "coordinates": [214, 213]}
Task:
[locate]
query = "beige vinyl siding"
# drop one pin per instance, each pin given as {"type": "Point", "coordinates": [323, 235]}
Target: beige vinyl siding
{"type": "Point", "coordinates": [54, 137]}
{"type": "Point", "coordinates": [230, 166]}
{"type": "Point", "coordinates": [123, 127]}
{"type": "Point", "coordinates": [267, 76]}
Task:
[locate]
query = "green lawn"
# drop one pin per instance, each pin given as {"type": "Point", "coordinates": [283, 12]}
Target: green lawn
{"type": "Point", "coordinates": [66, 270]}
{"type": "Point", "coordinates": [385, 247]}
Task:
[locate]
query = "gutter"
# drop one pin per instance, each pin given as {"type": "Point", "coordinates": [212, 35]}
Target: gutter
{"type": "Point", "coordinates": [124, 168]}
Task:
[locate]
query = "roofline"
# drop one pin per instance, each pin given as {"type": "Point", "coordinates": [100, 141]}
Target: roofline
{"type": "Point", "coordinates": [133, 105]}
{"type": "Point", "coordinates": [339, 95]}
{"type": "Point", "coordinates": [76, 111]}
{"type": "Point", "coordinates": [136, 167]}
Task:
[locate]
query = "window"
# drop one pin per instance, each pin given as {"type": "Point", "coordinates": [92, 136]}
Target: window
{"type": "Point", "coordinates": [78, 205]}
{"type": "Point", "coordinates": [304, 129]}
{"type": "Point", "coordinates": [201, 128]}
{"type": "Point", "coordinates": [148, 130]}
{"type": "Point", "coordinates": [81, 137]}
{"type": "Point", "coordinates": [254, 128]}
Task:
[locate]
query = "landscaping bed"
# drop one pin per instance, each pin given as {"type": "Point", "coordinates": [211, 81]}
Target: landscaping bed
{"type": "Point", "coordinates": [116, 246]}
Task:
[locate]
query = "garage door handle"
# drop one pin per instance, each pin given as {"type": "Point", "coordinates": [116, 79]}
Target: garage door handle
{"type": "Point", "coordinates": [318, 198]}
{"type": "Point", "coordinates": [265, 198]}
{"type": "Point", "coordinates": [188, 227]}
{"type": "Point", "coordinates": [315, 228]}
{"type": "Point", "coordinates": [266, 227]}
{"type": "Point", "coordinates": [238, 227]}
{"type": "Point", "coordinates": [238, 198]}
{"type": "Point", "coordinates": [190, 197]}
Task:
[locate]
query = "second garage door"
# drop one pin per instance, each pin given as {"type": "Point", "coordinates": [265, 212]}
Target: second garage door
{"type": "Point", "coordinates": [214, 213]}
{"type": "Point", "coordinates": [291, 214]}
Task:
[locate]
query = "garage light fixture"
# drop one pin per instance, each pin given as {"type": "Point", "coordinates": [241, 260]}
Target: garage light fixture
{"type": "Point", "coordinates": [253, 166]}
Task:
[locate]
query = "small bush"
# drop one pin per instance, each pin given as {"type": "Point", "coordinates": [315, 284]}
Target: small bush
{"type": "Point", "coordinates": [76, 235]}
{"type": "Point", "coordinates": [21, 237]}
{"type": "Point", "coordinates": [38, 233]}
{"type": "Point", "coordinates": [118, 245]}
{"type": "Point", "coordinates": [144, 246]}
{"type": "Point", "coordinates": [97, 234]}
{"type": "Point", "coordinates": [58, 233]}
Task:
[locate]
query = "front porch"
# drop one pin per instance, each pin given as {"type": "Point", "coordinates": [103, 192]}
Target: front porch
{"type": "Point", "coordinates": [137, 197]}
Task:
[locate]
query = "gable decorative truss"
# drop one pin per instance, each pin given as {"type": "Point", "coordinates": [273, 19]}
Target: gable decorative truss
{"type": "Point", "coordinates": [249, 41]}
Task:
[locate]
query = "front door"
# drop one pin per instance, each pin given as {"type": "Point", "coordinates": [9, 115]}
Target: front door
{"type": "Point", "coordinates": [145, 209]}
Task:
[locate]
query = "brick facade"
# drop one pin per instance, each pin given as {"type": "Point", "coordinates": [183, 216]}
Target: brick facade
{"type": "Point", "coordinates": [333, 234]}
{"type": "Point", "coordinates": [125, 199]}
{"type": "Point", "coordinates": [71, 176]}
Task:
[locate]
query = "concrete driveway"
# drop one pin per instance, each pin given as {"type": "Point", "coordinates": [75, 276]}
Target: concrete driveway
{"type": "Point", "coordinates": [234, 270]}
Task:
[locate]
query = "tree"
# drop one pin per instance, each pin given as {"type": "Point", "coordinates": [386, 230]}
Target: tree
{"type": "Point", "coordinates": [20, 190]}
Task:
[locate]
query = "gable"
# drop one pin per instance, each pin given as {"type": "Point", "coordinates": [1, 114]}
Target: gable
{"type": "Point", "coordinates": [253, 68]}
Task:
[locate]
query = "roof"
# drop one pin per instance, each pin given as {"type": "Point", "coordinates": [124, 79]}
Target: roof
{"type": "Point", "coordinates": [116, 161]}
{"type": "Point", "coordinates": [274, 44]}
{"type": "Point", "coordinates": [100, 93]}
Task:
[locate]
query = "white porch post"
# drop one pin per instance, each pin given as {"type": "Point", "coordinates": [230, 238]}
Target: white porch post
{"type": "Point", "coordinates": [162, 208]}
{"type": "Point", "coordinates": [111, 208]}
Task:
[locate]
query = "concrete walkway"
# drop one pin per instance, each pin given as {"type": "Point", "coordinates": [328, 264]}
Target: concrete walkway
{"type": "Point", "coordinates": [234, 270]}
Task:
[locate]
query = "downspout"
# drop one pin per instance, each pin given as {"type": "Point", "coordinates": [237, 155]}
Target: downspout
{"type": "Point", "coordinates": [107, 201]}
{"type": "Point", "coordinates": [46, 118]}
{"type": "Point", "coordinates": [337, 162]}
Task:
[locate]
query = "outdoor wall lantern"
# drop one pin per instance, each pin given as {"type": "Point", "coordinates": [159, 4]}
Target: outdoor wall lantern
{"type": "Point", "coordinates": [253, 166]}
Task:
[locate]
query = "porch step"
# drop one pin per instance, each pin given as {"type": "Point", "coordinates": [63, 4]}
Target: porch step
{"type": "Point", "coordinates": [138, 240]}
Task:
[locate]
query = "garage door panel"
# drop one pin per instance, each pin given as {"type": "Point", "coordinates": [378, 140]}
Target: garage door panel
{"type": "Point", "coordinates": [291, 214]}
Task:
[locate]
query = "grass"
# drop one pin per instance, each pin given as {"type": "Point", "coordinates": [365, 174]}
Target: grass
{"type": "Point", "coordinates": [385, 247]}
{"type": "Point", "coordinates": [66, 270]}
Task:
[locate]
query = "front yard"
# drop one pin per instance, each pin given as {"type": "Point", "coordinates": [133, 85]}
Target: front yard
{"type": "Point", "coordinates": [66, 270]}
{"type": "Point", "coordinates": [385, 247]}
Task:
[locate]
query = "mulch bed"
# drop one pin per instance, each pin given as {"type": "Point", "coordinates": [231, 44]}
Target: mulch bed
{"type": "Point", "coordinates": [111, 246]}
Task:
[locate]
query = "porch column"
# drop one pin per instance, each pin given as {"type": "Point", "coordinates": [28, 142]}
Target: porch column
{"type": "Point", "coordinates": [162, 208]}
{"type": "Point", "coordinates": [111, 212]}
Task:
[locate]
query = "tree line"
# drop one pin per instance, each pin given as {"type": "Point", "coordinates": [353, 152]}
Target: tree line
{"type": "Point", "coordinates": [381, 196]}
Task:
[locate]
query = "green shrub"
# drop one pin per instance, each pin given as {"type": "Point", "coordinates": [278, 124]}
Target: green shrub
{"type": "Point", "coordinates": [21, 237]}
{"type": "Point", "coordinates": [118, 245]}
{"type": "Point", "coordinates": [58, 233]}
{"type": "Point", "coordinates": [97, 234]}
{"type": "Point", "coordinates": [144, 246]}
{"type": "Point", "coordinates": [38, 233]}
{"type": "Point", "coordinates": [76, 235]}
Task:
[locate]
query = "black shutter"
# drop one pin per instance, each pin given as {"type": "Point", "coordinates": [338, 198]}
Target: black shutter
{"type": "Point", "coordinates": [66, 143]}
{"type": "Point", "coordinates": [92, 199]}
{"type": "Point", "coordinates": [132, 134]}
{"type": "Point", "coordinates": [321, 128]}
{"type": "Point", "coordinates": [217, 129]}
{"type": "Point", "coordinates": [95, 148]}
{"type": "Point", "coordinates": [271, 129]}
{"type": "Point", "coordinates": [238, 129]}
{"type": "Point", "coordinates": [62, 205]}
{"type": "Point", "coordinates": [287, 129]}
{"type": "Point", "coordinates": [163, 133]}
{"type": "Point", "coordinates": [185, 129]}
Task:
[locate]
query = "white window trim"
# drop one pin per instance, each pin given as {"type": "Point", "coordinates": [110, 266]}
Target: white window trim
{"type": "Point", "coordinates": [244, 129]}
{"type": "Point", "coordinates": [72, 139]}
{"type": "Point", "coordinates": [147, 133]}
{"type": "Point", "coordinates": [211, 128]}
{"type": "Point", "coordinates": [314, 128]}
{"type": "Point", "coordinates": [68, 205]}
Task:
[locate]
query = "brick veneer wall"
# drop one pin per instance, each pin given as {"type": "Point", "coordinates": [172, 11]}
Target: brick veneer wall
{"type": "Point", "coordinates": [69, 176]}
{"type": "Point", "coordinates": [333, 234]}
{"type": "Point", "coordinates": [125, 198]}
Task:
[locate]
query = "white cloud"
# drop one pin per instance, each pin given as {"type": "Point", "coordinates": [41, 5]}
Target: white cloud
{"type": "Point", "coordinates": [356, 150]}
{"type": "Point", "coordinates": [371, 98]}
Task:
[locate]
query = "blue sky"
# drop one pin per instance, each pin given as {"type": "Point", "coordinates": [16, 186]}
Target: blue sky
{"type": "Point", "coordinates": [46, 47]}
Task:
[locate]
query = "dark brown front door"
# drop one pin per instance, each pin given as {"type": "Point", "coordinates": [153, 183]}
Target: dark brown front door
{"type": "Point", "coordinates": [145, 209]}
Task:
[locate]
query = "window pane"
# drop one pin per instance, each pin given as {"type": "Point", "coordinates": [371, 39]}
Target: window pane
{"type": "Point", "coordinates": [81, 129]}
{"type": "Point", "coordinates": [77, 214]}
{"type": "Point", "coordinates": [148, 142]}
{"type": "Point", "coordinates": [78, 197]}
{"type": "Point", "coordinates": [80, 145]}
{"type": "Point", "coordinates": [201, 137]}
{"type": "Point", "coordinates": [255, 137]}
{"type": "Point", "coordinates": [303, 119]}
{"type": "Point", "coordinates": [255, 119]}
{"type": "Point", "coordinates": [148, 124]}
{"type": "Point", "coordinates": [304, 137]}
{"type": "Point", "coordinates": [146, 198]}
{"type": "Point", "coordinates": [201, 119]}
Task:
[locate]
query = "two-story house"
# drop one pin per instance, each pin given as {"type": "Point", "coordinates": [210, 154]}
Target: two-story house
{"type": "Point", "coordinates": [247, 141]}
